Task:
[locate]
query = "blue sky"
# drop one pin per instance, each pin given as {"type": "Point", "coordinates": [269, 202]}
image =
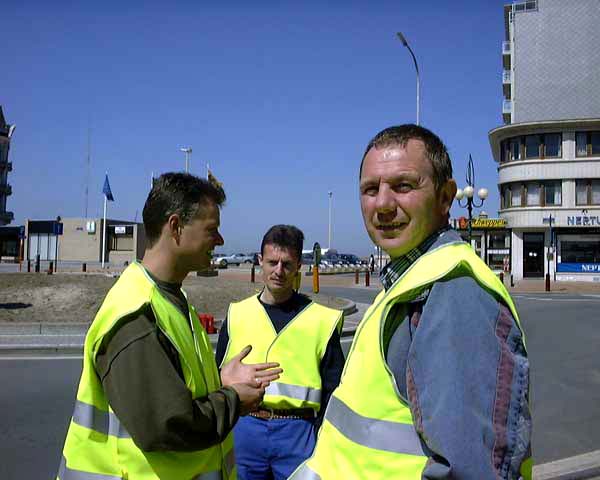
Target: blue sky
{"type": "Point", "coordinates": [279, 97]}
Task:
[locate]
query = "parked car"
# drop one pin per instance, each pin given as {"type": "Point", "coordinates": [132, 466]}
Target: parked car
{"type": "Point", "coordinates": [308, 259]}
{"type": "Point", "coordinates": [217, 260]}
{"type": "Point", "coordinates": [236, 259]}
{"type": "Point", "coordinates": [351, 259]}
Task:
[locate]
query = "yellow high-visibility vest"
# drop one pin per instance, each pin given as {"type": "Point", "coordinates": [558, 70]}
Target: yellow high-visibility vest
{"type": "Point", "coordinates": [299, 348]}
{"type": "Point", "coordinates": [97, 445]}
{"type": "Point", "coordinates": [368, 430]}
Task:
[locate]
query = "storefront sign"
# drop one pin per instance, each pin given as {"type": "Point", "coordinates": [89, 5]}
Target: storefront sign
{"type": "Point", "coordinates": [120, 230]}
{"type": "Point", "coordinates": [488, 223]}
{"type": "Point", "coordinates": [578, 267]}
{"type": "Point", "coordinates": [498, 251]}
{"type": "Point", "coordinates": [481, 223]}
{"type": "Point", "coordinates": [583, 221]}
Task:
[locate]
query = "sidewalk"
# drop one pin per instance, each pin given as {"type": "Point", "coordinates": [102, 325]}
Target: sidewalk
{"type": "Point", "coordinates": [538, 285]}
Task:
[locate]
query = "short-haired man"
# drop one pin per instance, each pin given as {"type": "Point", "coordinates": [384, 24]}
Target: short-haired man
{"type": "Point", "coordinates": [436, 385]}
{"type": "Point", "coordinates": [304, 337]}
{"type": "Point", "coordinates": [150, 402]}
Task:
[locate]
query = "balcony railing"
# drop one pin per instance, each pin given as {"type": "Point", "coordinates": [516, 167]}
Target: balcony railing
{"type": "Point", "coordinates": [5, 190]}
{"type": "Point", "coordinates": [5, 166]}
{"type": "Point", "coordinates": [506, 48]}
{"type": "Point", "coordinates": [6, 217]}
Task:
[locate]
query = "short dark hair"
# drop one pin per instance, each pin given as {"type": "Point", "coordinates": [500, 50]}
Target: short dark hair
{"type": "Point", "coordinates": [177, 193]}
{"type": "Point", "coordinates": [287, 236]}
{"type": "Point", "coordinates": [435, 150]}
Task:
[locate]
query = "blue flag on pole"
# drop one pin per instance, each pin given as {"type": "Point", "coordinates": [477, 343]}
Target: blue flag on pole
{"type": "Point", "coordinates": [106, 190]}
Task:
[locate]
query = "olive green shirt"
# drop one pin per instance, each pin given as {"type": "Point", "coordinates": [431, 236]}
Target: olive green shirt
{"type": "Point", "coordinates": [142, 377]}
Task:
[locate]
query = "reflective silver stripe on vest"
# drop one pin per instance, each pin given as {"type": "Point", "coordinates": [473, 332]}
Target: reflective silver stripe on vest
{"type": "Point", "coordinates": [209, 476]}
{"type": "Point", "coordinates": [229, 461]}
{"type": "Point", "coordinates": [65, 473]}
{"type": "Point", "coordinates": [294, 391]}
{"type": "Point", "coordinates": [372, 433]}
{"type": "Point", "coordinates": [88, 416]}
{"type": "Point", "coordinates": [304, 472]}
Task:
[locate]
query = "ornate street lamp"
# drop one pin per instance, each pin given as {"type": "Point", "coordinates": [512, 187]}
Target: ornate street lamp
{"type": "Point", "coordinates": [468, 192]}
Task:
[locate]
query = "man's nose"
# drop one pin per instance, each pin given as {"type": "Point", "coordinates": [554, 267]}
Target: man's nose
{"type": "Point", "coordinates": [279, 268]}
{"type": "Point", "coordinates": [384, 202]}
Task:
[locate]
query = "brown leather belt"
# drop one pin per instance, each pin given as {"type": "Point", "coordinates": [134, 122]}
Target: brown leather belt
{"type": "Point", "coordinates": [292, 413]}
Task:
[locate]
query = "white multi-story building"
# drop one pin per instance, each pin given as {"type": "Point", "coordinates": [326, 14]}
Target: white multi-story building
{"type": "Point", "coordinates": [6, 132]}
{"type": "Point", "coordinates": [548, 150]}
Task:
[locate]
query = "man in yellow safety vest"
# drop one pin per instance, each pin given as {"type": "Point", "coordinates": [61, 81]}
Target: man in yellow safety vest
{"type": "Point", "coordinates": [287, 327]}
{"type": "Point", "coordinates": [150, 403]}
{"type": "Point", "coordinates": [436, 384]}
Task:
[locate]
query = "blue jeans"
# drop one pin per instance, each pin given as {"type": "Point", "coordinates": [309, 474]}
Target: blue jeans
{"type": "Point", "coordinates": [271, 449]}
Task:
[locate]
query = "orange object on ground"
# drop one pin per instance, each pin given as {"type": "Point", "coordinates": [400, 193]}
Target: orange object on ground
{"type": "Point", "coordinates": [208, 322]}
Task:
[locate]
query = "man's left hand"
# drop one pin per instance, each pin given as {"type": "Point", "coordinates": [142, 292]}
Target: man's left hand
{"type": "Point", "coordinates": [259, 374]}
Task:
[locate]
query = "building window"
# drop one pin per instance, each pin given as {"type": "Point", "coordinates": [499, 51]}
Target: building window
{"type": "Point", "coordinates": [587, 144]}
{"type": "Point", "coordinates": [587, 192]}
{"type": "Point", "coordinates": [552, 193]}
{"type": "Point", "coordinates": [580, 251]}
{"type": "Point", "coordinates": [9, 248]}
{"type": "Point", "coordinates": [516, 196]}
{"type": "Point", "coordinates": [515, 148]}
{"type": "Point", "coordinates": [505, 151]}
{"type": "Point", "coordinates": [581, 144]}
{"type": "Point", "coordinates": [121, 242]}
{"type": "Point", "coordinates": [547, 145]}
{"type": "Point", "coordinates": [533, 194]}
{"type": "Point", "coordinates": [504, 193]}
{"type": "Point", "coordinates": [505, 197]}
{"type": "Point", "coordinates": [499, 240]}
{"type": "Point", "coordinates": [581, 195]}
{"type": "Point", "coordinates": [552, 145]}
{"type": "Point", "coordinates": [532, 146]}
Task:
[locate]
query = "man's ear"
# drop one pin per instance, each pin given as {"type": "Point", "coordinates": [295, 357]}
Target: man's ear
{"type": "Point", "coordinates": [446, 195]}
{"type": "Point", "coordinates": [174, 225]}
{"type": "Point", "coordinates": [260, 259]}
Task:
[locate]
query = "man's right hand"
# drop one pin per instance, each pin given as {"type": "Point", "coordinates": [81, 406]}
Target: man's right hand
{"type": "Point", "coordinates": [250, 396]}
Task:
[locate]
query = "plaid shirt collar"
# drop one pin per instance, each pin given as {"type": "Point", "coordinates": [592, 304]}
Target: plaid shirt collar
{"type": "Point", "coordinates": [396, 267]}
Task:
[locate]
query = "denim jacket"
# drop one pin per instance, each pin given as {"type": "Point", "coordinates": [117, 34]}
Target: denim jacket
{"type": "Point", "coordinates": [457, 355]}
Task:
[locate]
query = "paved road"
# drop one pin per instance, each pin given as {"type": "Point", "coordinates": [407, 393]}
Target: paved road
{"type": "Point", "coordinates": [36, 403]}
{"type": "Point", "coordinates": [563, 335]}
{"type": "Point", "coordinates": [362, 295]}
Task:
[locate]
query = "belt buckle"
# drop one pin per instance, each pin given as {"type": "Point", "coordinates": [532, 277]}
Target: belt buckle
{"type": "Point", "coordinates": [271, 412]}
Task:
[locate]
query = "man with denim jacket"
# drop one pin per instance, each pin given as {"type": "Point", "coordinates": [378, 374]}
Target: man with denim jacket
{"type": "Point", "coordinates": [454, 352]}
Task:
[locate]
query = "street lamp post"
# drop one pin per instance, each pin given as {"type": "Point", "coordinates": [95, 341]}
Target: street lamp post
{"type": "Point", "coordinates": [550, 254]}
{"type": "Point", "coordinates": [405, 43]}
{"type": "Point", "coordinates": [188, 154]}
{"type": "Point", "coordinates": [330, 193]}
{"type": "Point", "coordinates": [467, 194]}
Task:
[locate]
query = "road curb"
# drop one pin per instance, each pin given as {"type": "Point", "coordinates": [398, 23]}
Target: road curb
{"type": "Point", "coordinates": [42, 338]}
{"type": "Point", "coordinates": [579, 467]}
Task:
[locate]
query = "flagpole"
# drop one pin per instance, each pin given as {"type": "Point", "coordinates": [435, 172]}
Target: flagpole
{"type": "Point", "coordinates": [104, 232]}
